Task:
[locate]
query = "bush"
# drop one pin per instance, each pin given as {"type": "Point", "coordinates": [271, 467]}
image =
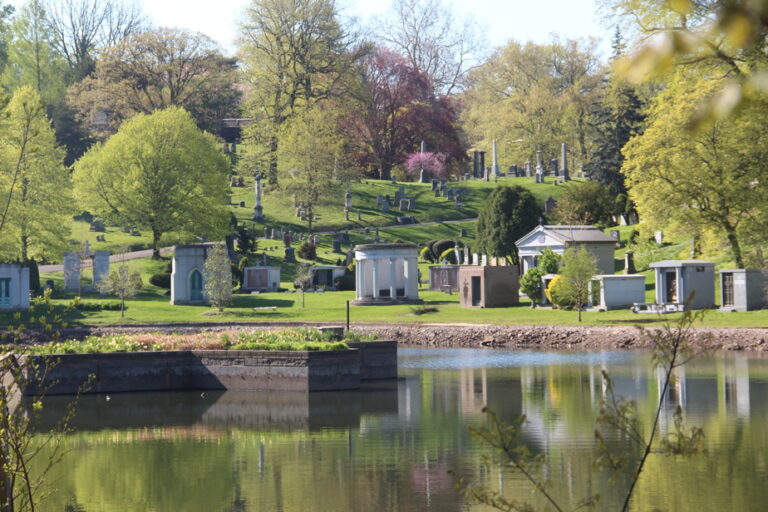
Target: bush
{"type": "Point", "coordinates": [308, 251]}
{"type": "Point", "coordinates": [557, 293]}
{"type": "Point", "coordinates": [161, 281]}
{"type": "Point", "coordinates": [425, 254]}
{"type": "Point", "coordinates": [530, 284]}
{"type": "Point", "coordinates": [448, 255]}
{"type": "Point", "coordinates": [549, 262]}
{"type": "Point", "coordinates": [439, 247]}
{"type": "Point", "coordinates": [98, 306]}
{"type": "Point", "coordinates": [422, 310]}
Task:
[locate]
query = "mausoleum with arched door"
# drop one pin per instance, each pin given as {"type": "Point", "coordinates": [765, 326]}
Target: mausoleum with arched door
{"type": "Point", "coordinates": [386, 274]}
{"type": "Point", "coordinates": [187, 279]}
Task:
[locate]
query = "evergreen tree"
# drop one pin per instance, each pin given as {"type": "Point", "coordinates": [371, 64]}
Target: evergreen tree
{"type": "Point", "coordinates": [508, 214]}
{"type": "Point", "coordinates": [615, 119]}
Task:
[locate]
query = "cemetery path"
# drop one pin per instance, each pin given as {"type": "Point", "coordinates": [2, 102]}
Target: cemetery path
{"type": "Point", "coordinates": [114, 258]}
{"type": "Point", "coordinates": [433, 223]}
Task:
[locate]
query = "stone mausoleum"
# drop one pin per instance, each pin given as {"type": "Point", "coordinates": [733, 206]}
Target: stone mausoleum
{"type": "Point", "coordinates": [386, 274]}
{"type": "Point", "coordinates": [187, 281]}
{"type": "Point", "coordinates": [560, 238]}
{"type": "Point", "coordinates": [488, 286]}
{"type": "Point", "coordinates": [261, 279]}
{"type": "Point", "coordinates": [14, 286]}
{"type": "Point", "coordinates": [676, 280]}
{"type": "Point", "coordinates": [742, 289]}
{"type": "Point", "coordinates": [617, 291]}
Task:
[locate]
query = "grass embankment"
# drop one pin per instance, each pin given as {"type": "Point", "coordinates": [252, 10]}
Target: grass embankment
{"type": "Point", "coordinates": [280, 212]}
{"type": "Point", "coordinates": [301, 339]}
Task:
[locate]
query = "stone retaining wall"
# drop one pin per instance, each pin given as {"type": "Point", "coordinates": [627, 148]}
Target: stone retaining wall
{"type": "Point", "coordinates": [243, 370]}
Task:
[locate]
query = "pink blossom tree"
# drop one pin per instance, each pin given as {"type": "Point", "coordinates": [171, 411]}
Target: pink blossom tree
{"type": "Point", "coordinates": [432, 163]}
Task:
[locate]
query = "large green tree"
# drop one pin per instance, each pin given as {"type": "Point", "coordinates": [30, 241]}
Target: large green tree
{"type": "Point", "coordinates": [507, 215]}
{"type": "Point", "coordinates": [535, 97]}
{"type": "Point", "coordinates": [160, 172]}
{"type": "Point", "coordinates": [35, 187]}
{"type": "Point", "coordinates": [294, 52]}
{"type": "Point", "coordinates": [709, 181]}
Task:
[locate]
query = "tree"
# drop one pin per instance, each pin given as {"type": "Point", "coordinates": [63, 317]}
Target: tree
{"type": "Point", "coordinates": [578, 269]}
{"type": "Point", "coordinates": [537, 95]}
{"type": "Point", "coordinates": [433, 164]}
{"type": "Point", "coordinates": [507, 215]}
{"type": "Point", "coordinates": [81, 28]}
{"type": "Point", "coordinates": [158, 171]}
{"type": "Point", "coordinates": [729, 35]}
{"type": "Point", "coordinates": [585, 203]}
{"type": "Point", "coordinates": [616, 117]}
{"type": "Point", "coordinates": [394, 108]}
{"type": "Point", "coordinates": [217, 277]}
{"type": "Point", "coordinates": [530, 284]}
{"type": "Point", "coordinates": [123, 284]}
{"type": "Point", "coordinates": [35, 186]}
{"type": "Point", "coordinates": [433, 40]}
{"type": "Point", "coordinates": [294, 53]}
{"type": "Point", "coordinates": [153, 70]}
{"type": "Point", "coordinates": [708, 181]}
{"type": "Point", "coordinates": [308, 157]}
{"type": "Point", "coordinates": [32, 59]}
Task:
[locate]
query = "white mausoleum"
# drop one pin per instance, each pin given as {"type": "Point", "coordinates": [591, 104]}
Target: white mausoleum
{"type": "Point", "coordinates": [187, 282]}
{"type": "Point", "coordinates": [386, 274]}
{"type": "Point", "coordinates": [560, 238]}
{"type": "Point", "coordinates": [14, 286]}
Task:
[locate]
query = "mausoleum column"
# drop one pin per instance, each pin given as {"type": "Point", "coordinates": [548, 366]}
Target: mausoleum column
{"type": "Point", "coordinates": [411, 278]}
{"type": "Point", "coordinates": [392, 278]}
{"type": "Point", "coordinates": [359, 279]}
{"type": "Point", "coordinates": [375, 273]}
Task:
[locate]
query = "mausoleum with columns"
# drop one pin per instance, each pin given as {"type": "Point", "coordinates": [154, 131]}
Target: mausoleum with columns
{"type": "Point", "coordinates": [386, 274]}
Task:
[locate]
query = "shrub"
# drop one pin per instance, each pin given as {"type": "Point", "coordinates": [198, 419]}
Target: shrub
{"type": "Point", "coordinates": [530, 284]}
{"type": "Point", "coordinates": [549, 262]}
{"type": "Point", "coordinates": [556, 292]}
{"type": "Point", "coordinates": [161, 281]}
{"type": "Point", "coordinates": [98, 306]}
{"type": "Point", "coordinates": [425, 254]}
{"type": "Point", "coordinates": [439, 246]}
{"type": "Point", "coordinates": [308, 251]}
{"type": "Point", "coordinates": [448, 255]}
{"type": "Point", "coordinates": [422, 310]}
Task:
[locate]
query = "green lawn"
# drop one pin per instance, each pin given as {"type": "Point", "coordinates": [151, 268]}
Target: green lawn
{"type": "Point", "coordinates": [153, 307]}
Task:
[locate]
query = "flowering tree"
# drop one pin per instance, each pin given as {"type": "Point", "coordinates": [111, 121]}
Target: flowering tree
{"type": "Point", "coordinates": [432, 163]}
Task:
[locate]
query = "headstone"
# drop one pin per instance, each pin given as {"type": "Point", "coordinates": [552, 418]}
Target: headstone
{"type": "Point", "coordinates": [336, 246]}
{"type": "Point", "coordinates": [350, 258]}
{"type": "Point", "coordinates": [465, 260]}
{"type": "Point", "coordinates": [549, 205]}
{"type": "Point", "coordinates": [71, 271]}
{"type": "Point", "coordinates": [379, 200]}
{"type": "Point", "coordinates": [527, 169]}
{"type": "Point", "coordinates": [564, 161]}
{"type": "Point", "coordinates": [434, 183]}
{"type": "Point", "coordinates": [393, 180]}
{"type": "Point", "coordinates": [242, 204]}
{"type": "Point", "coordinates": [376, 238]}
{"type": "Point", "coordinates": [457, 199]}
{"type": "Point", "coordinates": [405, 205]}
{"type": "Point", "coordinates": [659, 237]}
{"type": "Point", "coordinates": [267, 232]}
{"type": "Point", "coordinates": [100, 267]}
{"type": "Point", "coordinates": [462, 232]}
{"type": "Point", "coordinates": [553, 167]}
{"type": "Point", "coordinates": [348, 199]}
{"type": "Point", "coordinates": [422, 176]}
{"type": "Point", "coordinates": [290, 255]}
{"type": "Point", "coordinates": [437, 192]}
{"type": "Point", "coordinates": [632, 218]}
{"type": "Point", "coordinates": [97, 226]}
{"type": "Point", "coordinates": [539, 168]}
{"type": "Point", "coordinates": [629, 263]}
{"type": "Point", "coordinates": [384, 206]}
{"type": "Point", "coordinates": [406, 219]}
{"type": "Point", "coordinates": [616, 235]}
{"type": "Point", "coordinates": [264, 259]}
{"type": "Point", "coordinates": [486, 174]}
{"type": "Point", "coordinates": [495, 164]}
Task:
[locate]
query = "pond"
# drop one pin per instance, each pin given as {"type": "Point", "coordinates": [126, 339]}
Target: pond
{"type": "Point", "coordinates": [390, 447]}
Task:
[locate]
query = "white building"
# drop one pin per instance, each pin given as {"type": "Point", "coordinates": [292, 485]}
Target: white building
{"type": "Point", "coordinates": [386, 274]}
{"type": "Point", "coordinates": [560, 238]}
{"type": "Point", "coordinates": [14, 286]}
{"type": "Point", "coordinates": [262, 279]}
{"type": "Point", "coordinates": [617, 291]}
{"type": "Point", "coordinates": [742, 289]}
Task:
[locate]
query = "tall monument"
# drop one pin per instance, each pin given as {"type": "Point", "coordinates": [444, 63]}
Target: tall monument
{"type": "Point", "coordinates": [495, 168]}
{"type": "Point", "coordinates": [258, 210]}
{"type": "Point", "coordinates": [564, 161]}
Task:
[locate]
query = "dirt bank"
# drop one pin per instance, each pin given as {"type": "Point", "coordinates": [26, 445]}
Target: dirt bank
{"type": "Point", "coordinates": [464, 335]}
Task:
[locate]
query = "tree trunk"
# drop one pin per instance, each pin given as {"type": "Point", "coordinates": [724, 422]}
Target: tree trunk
{"type": "Point", "coordinates": [272, 173]}
{"type": "Point", "coordinates": [735, 245]}
{"type": "Point", "coordinates": [155, 244]}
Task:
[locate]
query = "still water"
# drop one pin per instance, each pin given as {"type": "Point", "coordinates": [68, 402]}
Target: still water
{"type": "Point", "coordinates": [391, 446]}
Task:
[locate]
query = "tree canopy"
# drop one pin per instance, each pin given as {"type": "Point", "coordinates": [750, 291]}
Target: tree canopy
{"type": "Point", "coordinates": [508, 214]}
{"type": "Point", "coordinates": [160, 172]}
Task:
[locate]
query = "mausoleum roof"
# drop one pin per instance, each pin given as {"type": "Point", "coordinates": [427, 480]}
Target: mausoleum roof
{"type": "Point", "coordinates": [681, 263]}
{"type": "Point", "coordinates": [566, 234]}
{"type": "Point", "coordinates": [384, 247]}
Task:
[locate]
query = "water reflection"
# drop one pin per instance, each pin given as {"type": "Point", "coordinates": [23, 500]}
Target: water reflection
{"type": "Point", "coordinates": [389, 447]}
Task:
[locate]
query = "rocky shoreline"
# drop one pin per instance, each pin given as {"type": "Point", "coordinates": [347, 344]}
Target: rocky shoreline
{"type": "Point", "coordinates": [552, 337]}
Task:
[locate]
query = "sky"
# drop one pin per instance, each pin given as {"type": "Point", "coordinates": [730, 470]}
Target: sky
{"type": "Point", "coordinates": [499, 20]}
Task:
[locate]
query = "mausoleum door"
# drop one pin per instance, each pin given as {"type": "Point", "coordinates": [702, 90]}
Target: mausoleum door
{"type": "Point", "coordinates": [5, 292]}
{"type": "Point", "coordinates": [728, 289]}
{"type": "Point", "coordinates": [196, 286]}
{"type": "Point", "coordinates": [476, 291]}
{"type": "Point", "coordinates": [670, 279]}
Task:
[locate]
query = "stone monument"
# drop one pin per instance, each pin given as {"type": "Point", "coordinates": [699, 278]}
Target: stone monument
{"type": "Point", "coordinates": [564, 161]}
{"type": "Point", "coordinates": [258, 210]}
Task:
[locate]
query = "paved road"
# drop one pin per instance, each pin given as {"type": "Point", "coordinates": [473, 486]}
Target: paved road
{"type": "Point", "coordinates": [115, 258]}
